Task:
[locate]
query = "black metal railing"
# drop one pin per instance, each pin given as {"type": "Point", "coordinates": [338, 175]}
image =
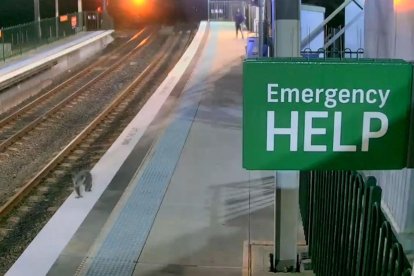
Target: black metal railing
{"type": "Point", "coordinates": [19, 39]}
{"type": "Point", "coordinates": [345, 228]}
{"type": "Point", "coordinates": [333, 53]}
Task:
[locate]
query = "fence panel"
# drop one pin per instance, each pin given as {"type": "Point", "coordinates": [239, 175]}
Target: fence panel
{"type": "Point", "coordinates": [22, 38]}
{"type": "Point", "coordinates": [225, 10]}
{"type": "Point", "coordinates": [345, 228]}
{"type": "Point", "coordinates": [398, 190]}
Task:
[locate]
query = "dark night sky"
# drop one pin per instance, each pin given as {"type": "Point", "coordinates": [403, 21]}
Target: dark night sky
{"type": "Point", "coordinates": [13, 12]}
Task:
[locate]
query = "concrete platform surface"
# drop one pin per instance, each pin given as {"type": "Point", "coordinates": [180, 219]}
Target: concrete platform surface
{"type": "Point", "coordinates": [28, 60]}
{"type": "Point", "coordinates": [189, 207]}
{"type": "Point", "coordinates": [212, 205]}
{"type": "Point", "coordinates": [200, 206]}
{"type": "Point", "coordinates": [257, 260]}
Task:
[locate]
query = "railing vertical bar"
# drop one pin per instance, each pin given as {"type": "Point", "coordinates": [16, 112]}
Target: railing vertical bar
{"type": "Point", "coordinates": [325, 234]}
{"type": "Point", "coordinates": [312, 236]}
{"type": "Point", "coordinates": [344, 188]}
{"type": "Point", "coordinates": [346, 231]}
{"type": "Point", "coordinates": [318, 201]}
{"type": "Point", "coordinates": [358, 220]}
{"type": "Point", "coordinates": [381, 248]}
{"type": "Point", "coordinates": [363, 225]}
{"type": "Point", "coordinates": [331, 226]}
{"type": "Point", "coordinates": [337, 216]}
{"type": "Point", "coordinates": [321, 195]}
{"type": "Point", "coordinates": [311, 212]}
{"type": "Point", "coordinates": [370, 241]}
{"type": "Point", "coordinates": [377, 238]}
{"type": "Point", "coordinates": [354, 224]}
{"type": "Point", "coordinates": [323, 220]}
{"type": "Point", "coordinates": [347, 224]}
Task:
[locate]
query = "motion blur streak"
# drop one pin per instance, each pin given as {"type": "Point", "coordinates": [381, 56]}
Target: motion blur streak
{"type": "Point", "coordinates": [143, 42]}
{"type": "Point", "coordinates": [136, 35]}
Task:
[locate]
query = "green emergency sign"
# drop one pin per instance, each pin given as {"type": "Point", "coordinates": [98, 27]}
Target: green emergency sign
{"type": "Point", "coordinates": [326, 114]}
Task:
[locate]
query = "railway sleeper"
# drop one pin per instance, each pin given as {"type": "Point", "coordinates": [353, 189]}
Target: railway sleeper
{"type": "Point", "coordinates": [66, 165]}
{"type": "Point", "coordinates": [4, 232]}
{"type": "Point", "coordinates": [45, 189]}
{"type": "Point", "coordinates": [60, 172]}
{"type": "Point", "coordinates": [73, 157]}
{"type": "Point", "coordinates": [35, 198]}
{"type": "Point", "coordinates": [13, 220]}
{"type": "Point", "coordinates": [24, 209]}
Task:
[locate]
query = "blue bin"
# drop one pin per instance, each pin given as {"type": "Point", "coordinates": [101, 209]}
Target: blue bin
{"type": "Point", "coordinates": [252, 47]}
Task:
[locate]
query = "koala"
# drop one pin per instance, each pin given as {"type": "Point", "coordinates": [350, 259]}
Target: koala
{"type": "Point", "coordinates": [82, 178]}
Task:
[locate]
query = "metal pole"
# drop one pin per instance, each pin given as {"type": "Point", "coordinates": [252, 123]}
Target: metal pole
{"type": "Point", "coordinates": [319, 28]}
{"type": "Point", "coordinates": [208, 10]}
{"type": "Point", "coordinates": [261, 33]}
{"type": "Point", "coordinates": [57, 17]}
{"type": "Point", "coordinates": [79, 5]}
{"type": "Point", "coordinates": [37, 17]}
{"type": "Point", "coordinates": [342, 31]}
{"type": "Point", "coordinates": [2, 42]}
{"type": "Point", "coordinates": [287, 28]}
{"type": "Point", "coordinates": [80, 12]}
{"type": "Point", "coordinates": [36, 10]}
{"type": "Point", "coordinates": [273, 24]}
{"type": "Point", "coordinates": [286, 220]}
{"type": "Point", "coordinates": [287, 44]}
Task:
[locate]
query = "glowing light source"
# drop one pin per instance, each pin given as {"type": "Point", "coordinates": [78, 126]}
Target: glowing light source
{"type": "Point", "coordinates": [138, 9]}
{"type": "Point", "coordinates": [138, 2]}
{"type": "Point", "coordinates": [403, 5]}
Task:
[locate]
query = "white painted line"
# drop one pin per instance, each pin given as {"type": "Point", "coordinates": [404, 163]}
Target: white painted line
{"type": "Point", "coordinates": [51, 57]}
{"type": "Point", "coordinates": [41, 254]}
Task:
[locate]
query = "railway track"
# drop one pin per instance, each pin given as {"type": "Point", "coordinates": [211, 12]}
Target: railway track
{"type": "Point", "coordinates": [17, 124]}
{"type": "Point", "coordinates": [22, 133]}
{"type": "Point", "coordinates": [49, 187]}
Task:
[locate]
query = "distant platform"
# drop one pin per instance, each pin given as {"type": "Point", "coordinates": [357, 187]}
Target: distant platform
{"type": "Point", "coordinates": [26, 75]}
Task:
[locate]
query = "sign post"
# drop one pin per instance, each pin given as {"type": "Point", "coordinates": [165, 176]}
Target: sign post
{"type": "Point", "coordinates": [286, 38]}
{"type": "Point", "coordinates": [326, 114]}
{"type": "Point", "coordinates": [260, 27]}
{"type": "Point", "coordinates": [301, 114]}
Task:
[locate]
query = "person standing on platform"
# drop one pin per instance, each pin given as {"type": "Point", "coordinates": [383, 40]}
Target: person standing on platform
{"type": "Point", "coordinates": [239, 19]}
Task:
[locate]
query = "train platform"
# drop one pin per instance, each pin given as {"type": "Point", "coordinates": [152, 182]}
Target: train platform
{"type": "Point", "coordinates": [22, 63]}
{"type": "Point", "coordinates": [27, 74]}
{"type": "Point", "coordinates": [170, 196]}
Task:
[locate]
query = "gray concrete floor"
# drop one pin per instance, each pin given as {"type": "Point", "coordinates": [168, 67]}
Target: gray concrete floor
{"type": "Point", "coordinates": [212, 205]}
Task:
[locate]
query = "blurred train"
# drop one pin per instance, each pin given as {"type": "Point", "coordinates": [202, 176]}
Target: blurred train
{"type": "Point", "coordinates": [130, 13]}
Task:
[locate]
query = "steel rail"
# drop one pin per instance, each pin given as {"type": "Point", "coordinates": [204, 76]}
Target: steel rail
{"type": "Point", "coordinates": [78, 92]}
{"type": "Point", "coordinates": [50, 93]}
{"type": "Point", "coordinates": [37, 179]}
